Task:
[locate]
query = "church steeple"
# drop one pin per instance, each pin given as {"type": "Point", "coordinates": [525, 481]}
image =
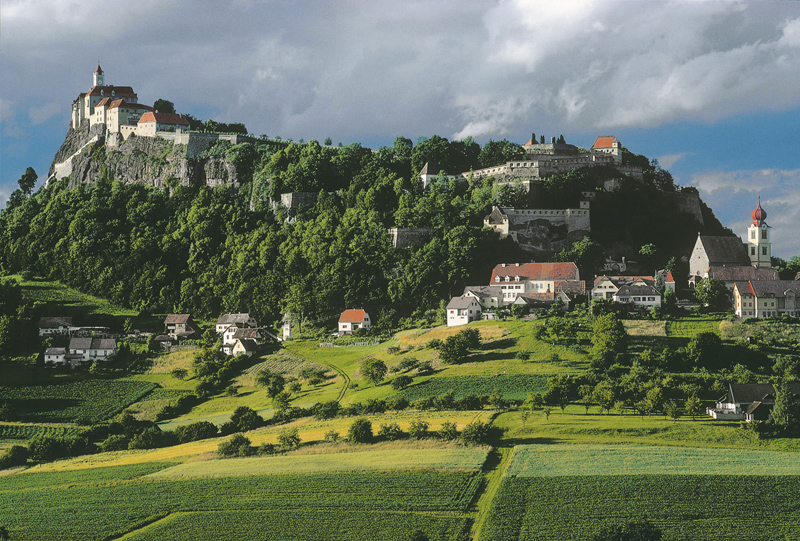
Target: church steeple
{"type": "Point", "coordinates": [98, 79]}
{"type": "Point", "coordinates": [758, 244]}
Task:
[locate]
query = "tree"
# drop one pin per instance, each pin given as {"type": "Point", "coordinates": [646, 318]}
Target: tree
{"type": "Point", "coordinates": [164, 106]}
{"type": "Point", "coordinates": [360, 431]}
{"type": "Point", "coordinates": [585, 253]}
{"type": "Point", "coordinates": [418, 429]}
{"type": "Point", "coordinates": [289, 438]}
{"type": "Point", "coordinates": [390, 432]}
{"type": "Point", "coordinates": [586, 392]}
{"type": "Point", "coordinates": [476, 433]}
{"type": "Point", "coordinates": [401, 382]}
{"type": "Point", "coordinates": [27, 181]}
{"type": "Point", "coordinates": [455, 348]}
{"type": "Point", "coordinates": [705, 349]}
{"type": "Point", "coordinates": [547, 410]}
{"type": "Point", "coordinates": [672, 409]}
{"type": "Point", "coordinates": [786, 412]}
{"type": "Point", "coordinates": [282, 401]}
{"type": "Point", "coordinates": [180, 373]}
{"type": "Point", "coordinates": [276, 385]}
{"type": "Point", "coordinates": [373, 370]}
{"type": "Point", "coordinates": [692, 406]}
{"type": "Point", "coordinates": [713, 293]}
{"type": "Point", "coordinates": [4, 535]}
{"type": "Point", "coordinates": [449, 431]}
{"type": "Point", "coordinates": [605, 395]}
{"type": "Point", "coordinates": [608, 340]}
{"type": "Point", "coordinates": [246, 419]}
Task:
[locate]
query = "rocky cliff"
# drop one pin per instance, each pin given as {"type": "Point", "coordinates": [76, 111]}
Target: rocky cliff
{"type": "Point", "coordinates": [86, 154]}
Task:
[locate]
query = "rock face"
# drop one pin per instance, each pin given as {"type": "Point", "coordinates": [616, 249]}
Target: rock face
{"type": "Point", "coordinates": [85, 155]}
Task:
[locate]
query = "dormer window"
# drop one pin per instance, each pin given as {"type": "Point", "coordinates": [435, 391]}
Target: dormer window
{"type": "Point", "coordinates": [508, 278]}
{"type": "Point", "coordinates": [516, 278]}
{"type": "Point", "coordinates": [496, 278]}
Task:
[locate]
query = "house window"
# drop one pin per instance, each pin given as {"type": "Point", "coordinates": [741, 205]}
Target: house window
{"type": "Point", "coordinates": [752, 250]}
{"type": "Point", "coordinates": [763, 250]}
{"type": "Point", "coordinates": [753, 234]}
{"type": "Point", "coordinates": [764, 234]}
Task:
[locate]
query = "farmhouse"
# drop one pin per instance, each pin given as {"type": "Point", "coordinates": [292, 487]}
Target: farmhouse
{"type": "Point", "coordinates": [54, 355]}
{"type": "Point", "coordinates": [240, 320]}
{"type": "Point", "coordinates": [351, 320]}
{"type": "Point", "coordinates": [49, 326]}
{"type": "Point", "coordinates": [490, 297]}
{"type": "Point", "coordinates": [180, 326]}
{"type": "Point", "coordinates": [749, 402]}
{"type": "Point", "coordinates": [634, 290]}
{"type": "Point", "coordinates": [91, 349]}
{"type": "Point", "coordinates": [462, 310]}
{"type": "Point", "coordinates": [234, 333]}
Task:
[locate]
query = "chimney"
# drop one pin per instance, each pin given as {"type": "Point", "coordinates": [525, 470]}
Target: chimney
{"type": "Point", "coordinates": [516, 264]}
{"type": "Point", "coordinates": [503, 265]}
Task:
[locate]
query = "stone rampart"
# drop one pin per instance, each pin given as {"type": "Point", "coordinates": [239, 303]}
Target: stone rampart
{"type": "Point", "coordinates": [407, 236]}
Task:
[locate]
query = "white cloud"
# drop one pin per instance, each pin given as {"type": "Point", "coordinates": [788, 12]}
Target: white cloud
{"type": "Point", "coordinates": [669, 160]}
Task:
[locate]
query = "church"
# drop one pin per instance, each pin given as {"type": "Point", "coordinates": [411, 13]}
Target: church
{"type": "Point", "coordinates": [730, 260]}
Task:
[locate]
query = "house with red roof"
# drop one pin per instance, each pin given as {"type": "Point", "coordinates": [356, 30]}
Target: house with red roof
{"type": "Point", "coordinates": [766, 298]}
{"type": "Point", "coordinates": [608, 144]}
{"type": "Point", "coordinates": [153, 121]}
{"type": "Point", "coordinates": [521, 278]}
{"type": "Point", "coordinates": [351, 320]}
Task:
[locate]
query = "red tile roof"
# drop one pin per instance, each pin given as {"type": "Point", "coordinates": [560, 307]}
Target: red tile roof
{"type": "Point", "coordinates": [123, 103]}
{"type": "Point", "coordinates": [669, 278]}
{"type": "Point", "coordinates": [536, 271]}
{"type": "Point", "coordinates": [604, 141]}
{"type": "Point", "coordinates": [103, 102]}
{"type": "Point", "coordinates": [163, 118]}
{"type": "Point", "coordinates": [352, 316]}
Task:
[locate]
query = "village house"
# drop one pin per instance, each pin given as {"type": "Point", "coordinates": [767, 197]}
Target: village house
{"type": "Point", "coordinates": [245, 347]}
{"type": "Point", "coordinates": [234, 333]}
{"type": "Point", "coordinates": [462, 310]}
{"type": "Point", "coordinates": [490, 297]}
{"type": "Point", "coordinates": [634, 290]}
{"type": "Point", "coordinates": [90, 349]}
{"type": "Point", "coordinates": [240, 320]}
{"type": "Point", "coordinates": [49, 326]}
{"type": "Point", "coordinates": [54, 356]}
{"type": "Point", "coordinates": [748, 402]}
{"type": "Point", "coordinates": [766, 298]}
{"type": "Point", "coordinates": [180, 326]}
{"type": "Point", "coordinates": [516, 279]}
{"type": "Point", "coordinates": [165, 341]}
{"type": "Point", "coordinates": [638, 294]}
{"type": "Point", "coordinates": [351, 320]}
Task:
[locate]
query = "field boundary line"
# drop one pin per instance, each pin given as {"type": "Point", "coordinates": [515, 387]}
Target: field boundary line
{"type": "Point", "coordinates": [144, 525]}
{"type": "Point", "coordinates": [338, 370]}
{"type": "Point", "coordinates": [493, 480]}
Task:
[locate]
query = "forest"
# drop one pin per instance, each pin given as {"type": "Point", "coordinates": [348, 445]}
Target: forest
{"type": "Point", "coordinates": [205, 251]}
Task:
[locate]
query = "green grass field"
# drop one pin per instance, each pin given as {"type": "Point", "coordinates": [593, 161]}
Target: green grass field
{"type": "Point", "coordinates": [512, 387]}
{"type": "Point", "coordinates": [569, 492]}
{"type": "Point", "coordinates": [404, 491]}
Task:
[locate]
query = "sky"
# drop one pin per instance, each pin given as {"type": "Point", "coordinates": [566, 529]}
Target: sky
{"type": "Point", "coordinates": [710, 89]}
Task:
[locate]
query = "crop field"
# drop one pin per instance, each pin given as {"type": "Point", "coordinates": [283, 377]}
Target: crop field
{"type": "Point", "coordinates": [358, 461]}
{"type": "Point", "coordinates": [688, 328]}
{"type": "Point", "coordinates": [68, 301]}
{"type": "Point", "coordinates": [65, 505]}
{"type": "Point", "coordinates": [512, 387]}
{"type": "Point", "coordinates": [569, 492]}
{"type": "Point", "coordinates": [167, 362]}
{"type": "Point", "coordinates": [29, 479]}
{"type": "Point", "coordinates": [280, 362]}
{"type": "Point", "coordinates": [302, 525]}
{"type": "Point", "coordinates": [645, 328]}
{"type": "Point", "coordinates": [19, 432]}
{"type": "Point", "coordinates": [771, 329]}
{"type": "Point", "coordinates": [68, 400]}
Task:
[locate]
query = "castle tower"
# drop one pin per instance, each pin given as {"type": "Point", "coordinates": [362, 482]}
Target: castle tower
{"type": "Point", "coordinates": [758, 245]}
{"type": "Point", "coordinates": [98, 79]}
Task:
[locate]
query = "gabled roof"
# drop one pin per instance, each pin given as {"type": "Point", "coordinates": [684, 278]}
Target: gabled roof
{"type": "Point", "coordinates": [604, 141]}
{"type": "Point", "coordinates": [103, 103]}
{"type": "Point", "coordinates": [80, 343]}
{"type": "Point", "coordinates": [461, 303]}
{"type": "Point", "coordinates": [430, 168]}
{"type": "Point", "coordinates": [497, 216]}
{"type": "Point", "coordinates": [163, 118]}
{"type": "Point", "coordinates": [123, 103]}
{"type": "Point", "coordinates": [774, 288]}
{"type": "Point", "coordinates": [246, 334]}
{"type": "Point", "coordinates": [353, 316]}
{"type": "Point", "coordinates": [92, 343]}
{"type": "Point", "coordinates": [54, 322]}
{"type": "Point", "coordinates": [537, 271]}
{"type": "Point", "coordinates": [248, 345]}
{"type": "Point", "coordinates": [233, 319]}
{"type": "Point", "coordinates": [484, 291]}
{"type": "Point", "coordinates": [724, 251]}
{"type": "Point", "coordinates": [163, 338]}
{"type": "Point", "coordinates": [113, 91]}
{"type": "Point", "coordinates": [570, 286]}
{"type": "Point", "coordinates": [637, 289]}
{"type": "Point", "coordinates": [747, 393]}
{"type": "Point", "coordinates": [55, 351]}
{"type": "Point", "coordinates": [741, 273]}
{"type": "Point", "coordinates": [173, 319]}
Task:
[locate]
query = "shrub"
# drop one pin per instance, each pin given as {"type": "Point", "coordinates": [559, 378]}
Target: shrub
{"type": "Point", "coordinates": [200, 430]}
{"type": "Point", "coordinates": [360, 431]}
{"type": "Point", "coordinates": [246, 419]}
{"type": "Point", "coordinates": [325, 410]}
{"type": "Point", "coordinates": [449, 431]}
{"type": "Point", "coordinates": [476, 433]}
{"type": "Point", "coordinates": [401, 382]}
{"type": "Point", "coordinates": [390, 432]}
{"type": "Point", "coordinates": [238, 445]}
{"type": "Point", "coordinates": [115, 442]}
{"type": "Point", "coordinates": [152, 438]}
{"type": "Point", "coordinates": [397, 403]}
{"type": "Point", "coordinates": [418, 429]}
{"type": "Point", "coordinates": [374, 406]}
{"type": "Point", "coordinates": [425, 368]}
{"type": "Point", "coordinates": [16, 455]}
{"type": "Point", "coordinates": [434, 344]}
{"type": "Point", "coordinates": [332, 436]}
{"type": "Point", "coordinates": [408, 364]}
{"type": "Point", "coordinates": [266, 449]}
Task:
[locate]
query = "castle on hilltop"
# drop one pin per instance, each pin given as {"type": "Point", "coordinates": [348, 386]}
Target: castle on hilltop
{"type": "Point", "coordinates": [117, 109]}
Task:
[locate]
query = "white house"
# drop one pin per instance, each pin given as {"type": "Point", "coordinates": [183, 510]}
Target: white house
{"type": "Point", "coordinates": [240, 320]}
{"type": "Point", "coordinates": [245, 347]}
{"type": "Point", "coordinates": [520, 278]}
{"type": "Point", "coordinates": [55, 355]}
{"type": "Point", "coordinates": [91, 349]}
{"type": "Point", "coordinates": [748, 402]}
{"type": "Point", "coordinates": [766, 298]}
{"type": "Point", "coordinates": [350, 320]}
{"type": "Point", "coordinates": [49, 326]}
{"type": "Point", "coordinates": [233, 333]}
{"type": "Point", "coordinates": [490, 297]}
{"type": "Point", "coordinates": [462, 310]}
{"type": "Point", "coordinates": [638, 293]}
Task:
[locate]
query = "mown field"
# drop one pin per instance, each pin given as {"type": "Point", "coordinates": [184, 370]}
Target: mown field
{"type": "Point", "coordinates": [512, 387]}
{"type": "Point", "coordinates": [67, 400]}
{"type": "Point", "coordinates": [386, 501]}
{"type": "Point", "coordinates": [569, 492]}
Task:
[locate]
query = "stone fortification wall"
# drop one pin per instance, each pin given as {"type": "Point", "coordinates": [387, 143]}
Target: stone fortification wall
{"type": "Point", "coordinates": [545, 231]}
{"type": "Point", "coordinates": [406, 236]}
{"type": "Point", "coordinates": [293, 200]}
